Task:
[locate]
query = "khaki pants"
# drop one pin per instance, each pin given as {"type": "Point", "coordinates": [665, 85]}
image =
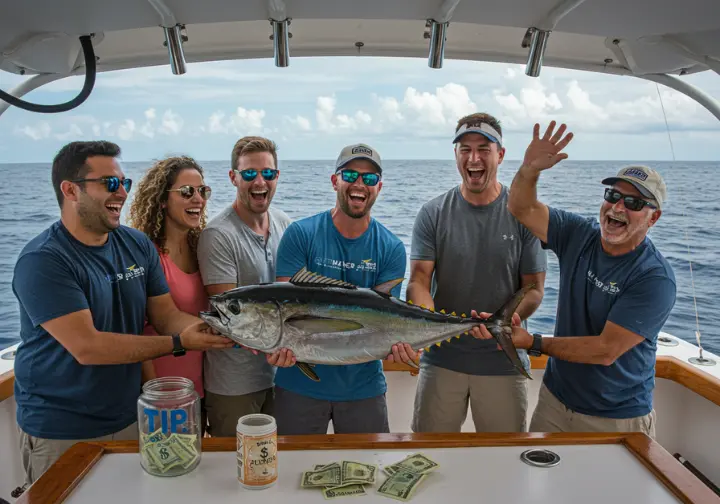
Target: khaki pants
{"type": "Point", "coordinates": [497, 403]}
{"type": "Point", "coordinates": [553, 416]}
{"type": "Point", "coordinates": [38, 454]}
{"type": "Point", "coordinates": [223, 411]}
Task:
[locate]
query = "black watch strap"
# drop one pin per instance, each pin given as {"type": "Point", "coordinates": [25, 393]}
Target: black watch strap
{"type": "Point", "coordinates": [178, 350]}
{"type": "Point", "coordinates": [536, 349]}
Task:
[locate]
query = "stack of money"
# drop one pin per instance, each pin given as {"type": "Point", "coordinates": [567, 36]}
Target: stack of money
{"type": "Point", "coordinates": [168, 456]}
{"type": "Point", "coordinates": [405, 476]}
{"type": "Point", "coordinates": [340, 479]}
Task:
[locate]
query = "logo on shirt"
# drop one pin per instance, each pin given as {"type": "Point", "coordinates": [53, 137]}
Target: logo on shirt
{"type": "Point", "coordinates": [609, 287]}
{"type": "Point", "coordinates": [130, 272]}
{"type": "Point", "coordinates": [340, 265]}
{"type": "Point", "coordinates": [508, 237]}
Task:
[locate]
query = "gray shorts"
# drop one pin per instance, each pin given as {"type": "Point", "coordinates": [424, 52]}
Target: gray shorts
{"type": "Point", "coordinates": [553, 416]}
{"type": "Point", "coordinates": [497, 403]}
{"type": "Point", "coordinates": [223, 411]}
{"type": "Point", "coordinates": [298, 414]}
{"type": "Point", "coordinates": [38, 454]}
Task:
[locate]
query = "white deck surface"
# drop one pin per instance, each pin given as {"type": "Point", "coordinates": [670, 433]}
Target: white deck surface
{"type": "Point", "coordinates": [592, 474]}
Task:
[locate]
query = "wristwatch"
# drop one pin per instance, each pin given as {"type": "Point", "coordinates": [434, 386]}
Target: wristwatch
{"type": "Point", "coordinates": [536, 349]}
{"type": "Point", "coordinates": [178, 350]}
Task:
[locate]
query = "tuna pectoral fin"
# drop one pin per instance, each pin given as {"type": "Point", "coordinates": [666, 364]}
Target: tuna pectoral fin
{"type": "Point", "coordinates": [310, 324]}
{"type": "Point", "coordinates": [507, 310]}
{"type": "Point", "coordinates": [307, 371]}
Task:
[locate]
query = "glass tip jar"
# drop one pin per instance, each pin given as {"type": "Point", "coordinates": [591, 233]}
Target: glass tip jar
{"type": "Point", "coordinates": [169, 426]}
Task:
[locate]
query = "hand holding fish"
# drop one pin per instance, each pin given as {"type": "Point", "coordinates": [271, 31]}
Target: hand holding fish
{"type": "Point", "coordinates": [544, 153]}
{"type": "Point", "coordinates": [281, 358]}
{"type": "Point", "coordinates": [200, 336]}
{"type": "Point", "coordinates": [520, 337]}
{"type": "Point", "coordinates": [403, 353]}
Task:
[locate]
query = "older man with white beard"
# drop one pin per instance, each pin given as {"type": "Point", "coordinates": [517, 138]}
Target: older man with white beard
{"type": "Point", "coordinates": [616, 292]}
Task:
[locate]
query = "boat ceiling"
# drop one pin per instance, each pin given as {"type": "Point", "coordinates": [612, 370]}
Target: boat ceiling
{"type": "Point", "coordinates": [636, 37]}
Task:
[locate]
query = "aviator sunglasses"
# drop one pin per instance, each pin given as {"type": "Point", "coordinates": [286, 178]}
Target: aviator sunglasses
{"type": "Point", "coordinates": [631, 202]}
{"type": "Point", "coordinates": [188, 191]}
{"type": "Point", "coordinates": [369, 179]}
{"type": "Point", "coordinates": [250, 174]}
{"type": "Point", "coordinates": [111, 183]}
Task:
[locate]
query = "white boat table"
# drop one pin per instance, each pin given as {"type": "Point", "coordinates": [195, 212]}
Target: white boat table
{"type": "Point", "coordinates": [482, 468]}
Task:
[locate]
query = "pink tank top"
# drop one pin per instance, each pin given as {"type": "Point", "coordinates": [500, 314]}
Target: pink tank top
{"type": "Point", "coordinates": [188, 292]}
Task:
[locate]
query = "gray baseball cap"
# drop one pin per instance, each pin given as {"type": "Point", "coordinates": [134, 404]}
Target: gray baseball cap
{"type": "Point", "coordinates": [644, 179]}
{"type": "Point", "coordinates": [358, 151]}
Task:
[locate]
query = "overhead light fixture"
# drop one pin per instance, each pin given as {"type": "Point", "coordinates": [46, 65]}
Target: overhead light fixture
{"type": "Point", "coordinates": [538, 43]}
{"type": "Point", "coordinates": [437, 43]}
{"type": "Point", "coordinates": [280, 42]}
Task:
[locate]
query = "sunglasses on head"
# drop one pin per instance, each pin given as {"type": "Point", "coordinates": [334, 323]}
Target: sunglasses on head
{"type": "Point", "coordinates": [112, 184]}
{"type": "Point", "coordinates": [633, 203]}
{"type": "Point", "coordinates": [369, 179]}
{"type": "Point", "coordinates": [188, 191]}
{"type": "Point", "coordinates": [250, 174]}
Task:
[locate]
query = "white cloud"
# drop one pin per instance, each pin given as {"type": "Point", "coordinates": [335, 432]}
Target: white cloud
{"type": "Point", "coordinates": [172, 123]}
{"type": "Point", "coordinates": [242, 122]}
{"type": "Point", "coordinates": [40, 131]}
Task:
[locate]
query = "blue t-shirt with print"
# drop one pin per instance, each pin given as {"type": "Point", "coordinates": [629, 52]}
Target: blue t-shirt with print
{"type": "Point", "coordinates": [55, 275]}
{"type": "Point", "coordinates": [635, 291]}
{"type": "Point", "coordinates": [375, 257]}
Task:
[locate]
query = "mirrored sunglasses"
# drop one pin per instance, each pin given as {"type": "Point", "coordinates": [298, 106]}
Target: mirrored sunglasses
{"type": "Point", "coordinates": [369, 179]}
{"type": "Point", "coordinates": [250, 174]}
{"type": "Point", "coordinates": [188, 191]}
{"type": "Point", "coordinates": [112, 184]}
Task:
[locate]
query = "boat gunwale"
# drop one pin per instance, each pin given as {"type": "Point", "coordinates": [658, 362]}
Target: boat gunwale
{"type": "Point", "coordinates": [66, 474]}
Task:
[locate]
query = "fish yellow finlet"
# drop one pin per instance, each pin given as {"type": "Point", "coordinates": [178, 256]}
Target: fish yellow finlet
{"type": "Point", "coordinates": [448, 340]}
{"type": "Point", "coordinates": [410, 301]}
{"type": "Point", "coordinates": [431, 309]}
{"type": "Point", "coordinates": [423, 307]}
{"type": "Point", "coordinates": [463, 315]}
{"type": "Point", "coordinates": [467, 332]}
{"type": "Point", "coordinates": [427, 349]}
{"type": "Point", "coordinates": [453, 314]}
{"type": "Point", "coordinates": [442, 311]}
{"type": "Point", "coordinates": [437, 344]}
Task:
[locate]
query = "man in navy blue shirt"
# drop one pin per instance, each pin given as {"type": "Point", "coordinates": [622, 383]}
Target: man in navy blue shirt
{"type": "Point", "coordinates": [85, 286]}
{"type": "Point", "coordinates": [347, 244]}
{"type": "Point", "coordinates": [616, 292]}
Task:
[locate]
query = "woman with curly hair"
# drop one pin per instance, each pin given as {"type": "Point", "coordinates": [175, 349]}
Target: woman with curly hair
{"type": "Point", "coordinates": [170, 207]}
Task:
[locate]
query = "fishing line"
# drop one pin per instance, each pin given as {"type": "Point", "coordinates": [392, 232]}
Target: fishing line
{"type": "Point", "coordinates": [701, 360]}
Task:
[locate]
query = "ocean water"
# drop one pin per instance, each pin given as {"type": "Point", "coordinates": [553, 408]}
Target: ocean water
{"type": "Point", "coordinates": [28, 205]}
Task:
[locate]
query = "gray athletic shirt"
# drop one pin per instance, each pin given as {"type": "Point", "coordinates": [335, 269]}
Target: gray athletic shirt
{"type": "Point", "coordinates": [230, 252]}
{"type": "Point", "coordinates": [480, 252]}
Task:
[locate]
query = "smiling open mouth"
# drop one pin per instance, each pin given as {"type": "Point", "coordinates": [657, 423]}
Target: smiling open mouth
{"type": "Point", "coordinates": [194, 212]}
{"type": "Point", "coordinates": [114, 209]}
{"type": "Point", "coordinates": [259, 196]}
{"type": "Point", "coordinates": [476, 173]}
{"type": "Point", "coordinates": [614, 222]}
{"type": "Point", "coordinates": [358, 197]}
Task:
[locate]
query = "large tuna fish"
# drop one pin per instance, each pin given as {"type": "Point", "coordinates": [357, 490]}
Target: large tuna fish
{"type": "Point", "coordinates": [328, 321]}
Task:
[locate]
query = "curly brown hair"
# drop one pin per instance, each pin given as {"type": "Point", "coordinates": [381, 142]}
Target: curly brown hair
{"type": "Point", "coordinates": [146, 210]}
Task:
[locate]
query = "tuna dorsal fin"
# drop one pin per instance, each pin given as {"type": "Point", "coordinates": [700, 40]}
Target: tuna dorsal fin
{"type": "Point", "coordinates": [307, 371]}
{"type": "Point", "coordinates": [311, 324]}
{"type": "Point", "coordinates": [307, 278]}
{"type": "Point", "coordinates": [386, 287]}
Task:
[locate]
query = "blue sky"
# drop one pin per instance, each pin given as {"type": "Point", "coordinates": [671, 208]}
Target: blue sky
{"type": "Point", "coordinates": [400, 106]}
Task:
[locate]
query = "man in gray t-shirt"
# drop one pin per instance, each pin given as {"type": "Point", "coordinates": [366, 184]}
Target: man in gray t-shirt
{"type": "Point", "coordinates": [238, 247]}
{"type": "Point", "coordinates": [469, 253]}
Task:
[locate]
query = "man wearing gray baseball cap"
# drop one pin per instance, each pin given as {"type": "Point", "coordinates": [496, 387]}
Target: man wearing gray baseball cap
{"type": "Point", "coordinates": [343, 243]}
{"type": "Point", "coordinates": [616, 292]}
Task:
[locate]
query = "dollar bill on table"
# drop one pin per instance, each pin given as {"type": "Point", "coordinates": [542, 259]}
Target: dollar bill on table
{"type": "Point", "coordinates": [344, 491]}
{"type": "Point", "coordinates": [357, 473]}
{"type": "Point", "coordinates": [325, 477]}
{"type": "Point", "coordinates": [415, 463]}
{"type": "Point", "coordinates": [401, 485]}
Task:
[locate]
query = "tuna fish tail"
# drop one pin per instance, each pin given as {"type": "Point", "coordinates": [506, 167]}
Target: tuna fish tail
{"type": "Point", "coordinates": [502, 331]}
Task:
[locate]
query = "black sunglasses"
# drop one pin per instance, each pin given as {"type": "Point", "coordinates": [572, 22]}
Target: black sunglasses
{"type": "Point", "coordinates": [369, 179]}
{"type": "Point", "coordinates": [111, 183]}
{"type": "Point", "coordinates": [633, 203]}
{"type": "Point", "coordinates": [188, 191]}
{"type": "Point", "coordinates": [250, 174]}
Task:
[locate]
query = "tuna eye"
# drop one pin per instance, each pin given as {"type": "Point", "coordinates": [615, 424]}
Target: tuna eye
{"type": "Point", "coordinates": [234, 307]}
